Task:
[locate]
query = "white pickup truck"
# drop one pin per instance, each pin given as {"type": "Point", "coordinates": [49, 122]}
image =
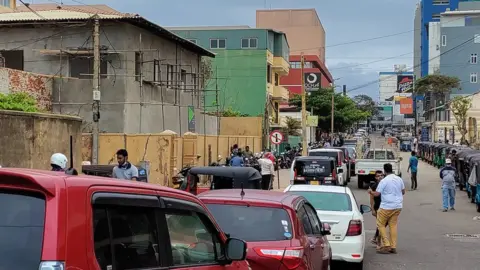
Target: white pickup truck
{"type": "Point", "coordinates": [373, 160]}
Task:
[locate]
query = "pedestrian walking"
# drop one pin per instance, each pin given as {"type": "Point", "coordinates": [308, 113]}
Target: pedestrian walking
{"type": "Point", "coordinates": [413, 169]}
{"type": "Point", "coordinates": [448, 174]}
{"type": "Point", "coordinates": [124, 170]}
{"type": "Point", "coordinates": [391, 189]}
{"type": "Point", "coordinates": [267, 169]}
{"type": "Point", "coordinates": [375, 205]}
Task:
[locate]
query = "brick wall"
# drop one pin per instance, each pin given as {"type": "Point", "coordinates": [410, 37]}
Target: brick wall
{"type": "Point", "coordinates": [38, 86]}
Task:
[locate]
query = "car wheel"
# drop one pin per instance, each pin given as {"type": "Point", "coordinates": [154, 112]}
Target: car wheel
{"type": "Point", "coordinates": [360, 182]}
{"type": "Point", "coordinates": [357, 266]}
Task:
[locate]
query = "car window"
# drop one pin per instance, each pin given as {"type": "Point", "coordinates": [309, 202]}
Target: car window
{"type": "Point", "coordinates": [390, 155]}
{"type": "Point", "coordinates": [313, 167]}
{"type": "Point", "coordinates": [327, 201]}
{"type": "Point", "coordinates": [21, 229]}
{"type": "Point", "coordinates": [252, 223]}
{"type": "Point", "coordinates": [333, 154]}
{"type": "Point", "coordinates": [193, 242]}
{"type": "Point", "coordinates": [314, 220]}
{"type": "Point", "coordinates": [133, 237]}
{"type": "Point", "coordinates": [305, 221]}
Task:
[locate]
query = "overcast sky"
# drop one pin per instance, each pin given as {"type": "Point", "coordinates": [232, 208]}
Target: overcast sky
{"type": "Point", "coordinates": [343, 20]}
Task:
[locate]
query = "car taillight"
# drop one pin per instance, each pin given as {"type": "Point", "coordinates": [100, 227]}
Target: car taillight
{"type": "Point", "coordinates": [290, 257]}
{"type": "Point", "coordinates": [361, 171]}
{"type": "Point", "coordinates": [52, 265]}
{"type": "Point", "coordinates": [354, 228]}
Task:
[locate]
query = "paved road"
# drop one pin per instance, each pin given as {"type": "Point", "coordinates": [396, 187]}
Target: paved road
{"type": "Point", "coordinates": [422, 243]}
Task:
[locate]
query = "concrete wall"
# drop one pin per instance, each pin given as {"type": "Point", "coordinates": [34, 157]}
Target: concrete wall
{"type": "Point", "coordinates": [243, 126]}
{"type": "Point", "coordinates": [457, 61]}
{"type": "Point", "coordinates": [303, 28]}
{"type": "Point", "coordinates": [29, 139]}
{"type": "Point", "coordinates": [166, 152]}
{"type": "Point", "coordinates": [434, 50]}
{"type": "Point", "coordinates": [126, 107]}
{"type": "Point", "coordinates": [36, 85]}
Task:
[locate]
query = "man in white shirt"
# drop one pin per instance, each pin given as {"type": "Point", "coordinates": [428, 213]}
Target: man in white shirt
{"type": "Point", "coordinates": [392, 189]}
{"type": "Point", "coordinates": [267, 170]}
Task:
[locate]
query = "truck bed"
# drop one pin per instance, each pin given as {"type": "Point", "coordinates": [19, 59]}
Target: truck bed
{"type": "Point", "coordinates": [369, 166]}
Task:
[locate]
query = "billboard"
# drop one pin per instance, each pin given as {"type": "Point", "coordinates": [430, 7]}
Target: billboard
{"type": "Point", "coordinates": [406, 105]}
{"type": "Point", "coordinates": [404, 83]}
{"type": "Point", "coordinates": [312, 81]}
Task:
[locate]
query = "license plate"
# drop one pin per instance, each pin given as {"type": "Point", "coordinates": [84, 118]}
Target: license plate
{"type": "Point", "coordinates": [372, 172]}
{"type": "Point", "coordinates": [314, 183]}
{"type": "Point", "coordinates": [327, 182]}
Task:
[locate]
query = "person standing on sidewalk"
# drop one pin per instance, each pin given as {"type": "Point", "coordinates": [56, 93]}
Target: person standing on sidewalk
{"type": "Point", "coordinates": [391, 189]}
{"type": "Point", "coordinates": [413, 168]}
{"type": "Point", "coordinates": [448, 174]}
{"type": "Point", "coordinates": [375, 205]}
{"type": "Point", "coordinates": [124, 170]}
{"type": "Point", "coordinates": [267, 170]}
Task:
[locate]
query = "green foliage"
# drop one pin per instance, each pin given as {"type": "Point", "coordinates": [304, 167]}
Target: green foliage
{"type": "Point", "coordinates": [365, 103]}
{"type": "Point", "coordinates": [346, 111]}
{"type": "Point", "coordinates": [459, 106]}
{"type": "Point", "coordinates": [438, 84]}
{"type": "Point", "coordinates": [229, 112]}
{"type": "Point", "coordinates": [18, 102]}
{"type": "Point", "coordinates": [292, 126]}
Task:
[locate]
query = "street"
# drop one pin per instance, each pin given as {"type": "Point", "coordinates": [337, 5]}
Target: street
{"type": "Point", "coordinates": [423, 233]}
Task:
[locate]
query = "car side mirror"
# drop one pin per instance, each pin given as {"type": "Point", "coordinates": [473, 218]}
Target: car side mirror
{"type": "Point", "coordinates": [365, 209]}
{"type": "Point", "coordinates": [236, 249]}
{"type": "Point", "coordinates": [326, 229]}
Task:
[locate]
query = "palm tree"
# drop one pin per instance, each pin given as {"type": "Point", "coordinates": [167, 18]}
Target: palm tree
{"type": "Point", "coordinates": [292, 126]}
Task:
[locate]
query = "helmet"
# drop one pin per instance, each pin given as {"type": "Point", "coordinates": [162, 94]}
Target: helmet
{"type": "Point", "coordinates": [448, 161]}
{"type": "Point", "coordinates": [59, 159]}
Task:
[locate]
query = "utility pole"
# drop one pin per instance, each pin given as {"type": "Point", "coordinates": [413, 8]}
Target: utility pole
{"type": "Point", "coordinates": [96, 90]}
{"type": "Point", "coordinates": [344, 90]}
{"type": "Point", "coordinates": [333, 107]}
{"type": "Point", "coordinates": [304, 109]}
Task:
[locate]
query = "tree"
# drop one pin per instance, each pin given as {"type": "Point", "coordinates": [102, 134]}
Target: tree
{"type": "Point", "coordinates": [346, 111]}
{"type": "Point", "coordinates": [437, 83]}
{"type": "Point", "coordinates": [365, 103]}
{"type": "Point", "coordinates": [459, 106]}
{"type": "Point", "coordinates": [292, 126]}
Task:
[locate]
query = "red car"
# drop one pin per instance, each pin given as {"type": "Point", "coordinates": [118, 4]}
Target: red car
{"type": "Point", "coordinates": [282, 230]}
{"type": "Point", "coordinates": [51, 220]}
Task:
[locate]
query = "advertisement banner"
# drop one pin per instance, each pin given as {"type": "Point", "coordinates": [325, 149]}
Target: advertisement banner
{"type": "Point", "coordinates": [312, 120]}
{"type": "Point", "coordinates": [404, 83]}
{"type": "Point", "coordinates": [406, 106]}
{"type": "Point", "coordinates": [312, 81]}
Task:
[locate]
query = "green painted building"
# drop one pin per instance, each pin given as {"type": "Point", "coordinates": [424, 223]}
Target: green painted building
{"type": "Point", "coordinates": [246, 69]}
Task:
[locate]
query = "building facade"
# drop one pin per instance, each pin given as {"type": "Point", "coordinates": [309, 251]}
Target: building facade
{"type": "Point", "coordinates": [312, 65]}
{"type": "Point", "coordinates": [247, 68]}
{"type": "Point", "coordinates": [148, 75]}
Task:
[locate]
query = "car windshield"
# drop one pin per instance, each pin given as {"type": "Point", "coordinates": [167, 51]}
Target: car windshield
{"type": "Point", "coordinates": [327, 201]}
{"type": "Point", "coordinates": [313, 168]}
{"type": "Point", "coordinates": [21, 229]}
{"type": "Point", "coordinates": [323, 154]}
{"type": "Point", "coordinates": [251, 223]}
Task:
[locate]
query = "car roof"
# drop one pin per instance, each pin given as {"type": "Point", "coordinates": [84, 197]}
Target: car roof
{"type": "Point", "coordinates": [48, 181]}
{"type": "Point", "coordinates": [323, 158]}
{"type": "Point", "coordinates": [318, 188]}
{"type": "Point", "coordinates": [264, 197]}
{"type": "Point", "coordinates": [325, 150]}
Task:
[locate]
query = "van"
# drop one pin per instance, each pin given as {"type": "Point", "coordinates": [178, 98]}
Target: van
{"type": "Point", "coordinates": [342, 166]}
{"type": "Point", "coordinates": [314, 171]}
{"type": "Point", "coordinates": [52, 221]}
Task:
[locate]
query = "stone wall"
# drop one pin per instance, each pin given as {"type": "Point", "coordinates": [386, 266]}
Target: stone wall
{"type": "Point", "coordinates": [36, 85]}
{"type": "Point", "coordinates": [29, 139]}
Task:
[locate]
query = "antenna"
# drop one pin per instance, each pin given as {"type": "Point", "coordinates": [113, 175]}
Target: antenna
{"type": "Point", "coordinates": [71, 170]}
{"type": "Point", "coordinates": [242, 193]}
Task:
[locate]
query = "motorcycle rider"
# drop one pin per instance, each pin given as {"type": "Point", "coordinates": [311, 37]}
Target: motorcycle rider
{"type": "Point", "coordinates": [59, 162]}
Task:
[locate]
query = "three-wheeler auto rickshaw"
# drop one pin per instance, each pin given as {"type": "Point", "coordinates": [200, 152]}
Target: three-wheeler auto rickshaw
{"type": "Point", "coordinates": [462, 166]}
{"type": "Point", "coordinates": [469, 167]}
{"type": "Point", "coordinates": [405, 144]}
{"type": "Point", "coordinates": [222, 178]}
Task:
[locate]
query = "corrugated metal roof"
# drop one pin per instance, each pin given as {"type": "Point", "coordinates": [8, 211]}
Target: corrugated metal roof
{"type": "Point", "coordinates": [68, 15]}
{"type": "Point", "coordinates": [103, 9]}
{"type": "Point", "coordinates": [53, 15]}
